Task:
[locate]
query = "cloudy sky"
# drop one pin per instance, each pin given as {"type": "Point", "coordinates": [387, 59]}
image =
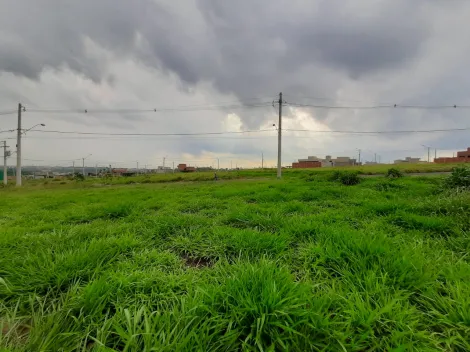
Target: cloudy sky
{"type": "Point", "coordinates": [216, 66]}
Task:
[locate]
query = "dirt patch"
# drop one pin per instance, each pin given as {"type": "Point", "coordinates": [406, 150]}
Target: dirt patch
{"type": "Point", "coordinates": [196, 262]}
{"type": "Point", "coordinates": [16, 331]}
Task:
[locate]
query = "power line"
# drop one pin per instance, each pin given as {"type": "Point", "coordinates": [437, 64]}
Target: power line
{"type": "Point", "coordinates": [373, 107]}
{"type": "Point", "coordinates": [334, 99]}
{"type": "Point", "coordinates": [381, 132]}
{"type": "Point", "coordinates": [151, 134]}
{"type": "Point", "coordinates": [188, 108]}
{"type": "Point", "coordinates": [8, 112]}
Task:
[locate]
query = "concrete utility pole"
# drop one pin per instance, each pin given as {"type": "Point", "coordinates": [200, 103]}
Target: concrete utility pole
{"type": "Point", "coordinates": [18, 148]}
{"type": "Point", "coordinates": [429, 151]}
{"type": "Point", "coordinates": [83, 164]}
{"type": "Point", "coordinates": [359, 158]}
{"type": "Point", "coordinates": [73, 167]}
{"type": "Point", "coordinates": [375, 157]}
{"type": "Point", "coordinates": [164, 164]}
{"type": "Point", "coordinates": [6, 154]}
{"type": "Point", "coordinates": [262, 160]}
{"type": "Point", "coordinates": [435, 153]}
{"type": "Point", "coordinates": [279, 139]}
{"type": "Point", "coordinates": [218, 164]}
{"type": "Point", "coordinates": [137, 167]}
{"type": "Point", "coordinates": [96, 170]}
{"type": "Point", "coordinates": [173, 167]}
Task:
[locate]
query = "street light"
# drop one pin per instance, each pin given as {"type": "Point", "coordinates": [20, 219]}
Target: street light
{"type": "Point", "coordinates": [29, 129]}
{"type": "Point", "coordinates": [429, 149]}
{"type": "Point", "coordinates": [83, 163]}
{"type": "Point", "coordinates": [18, 146]}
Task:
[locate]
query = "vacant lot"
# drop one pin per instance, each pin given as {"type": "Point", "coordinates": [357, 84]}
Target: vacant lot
{"type": "Point", "coordinates": [260, 265]}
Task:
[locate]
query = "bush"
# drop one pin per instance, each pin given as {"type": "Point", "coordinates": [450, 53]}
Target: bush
{"type": "Point", "coordinates": [394, 173]}
{"type": "Point", "coordinates": [460, 178]}
{"type": "Point", "coordinates": [347, 178]}
{"type": "Point", "coordinates": [350, 178]}
{"type": "Point", "coordinates": [78, 177]}
{"type": "Point", "coordinates": [335, 176]}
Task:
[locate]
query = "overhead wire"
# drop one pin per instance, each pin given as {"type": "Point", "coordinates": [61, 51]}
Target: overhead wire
{"type": "Point", "coordinates": [379, 132]}
{"type": "Point", "coordinates": [151, 134]}
{"type": "Point", "coordinates": [188, 108]}
{"type": "Point", "coordinates": [389, 106]}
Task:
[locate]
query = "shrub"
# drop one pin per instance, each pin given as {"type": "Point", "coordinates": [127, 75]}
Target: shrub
{"type": "Point", "coordinates": [394, 173]}
{"type": "Point", "coordinates": [78, 177]}
{"type": "Point", "coordinates": [349, 178]}
{"type": "Point", "coordinates": [335, 175]}
{"type": "Point", "coordinates": [460, 178]}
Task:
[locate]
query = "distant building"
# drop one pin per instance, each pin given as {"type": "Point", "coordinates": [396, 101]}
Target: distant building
{"type": "Point", "coordinates": [119, 172]}
{"type": "Point", "coordinates": [344, 161]}
{"type": "Point", "coordinates": [185, 168]}
{"type": "Point", "coordinates": [407, 160]}
{"type": "Point", "coordinates": [306, 164]}
{"type": "Point", "coordinates": [313, 161]}
{"type": "Point", "coordinates": [462, 157]}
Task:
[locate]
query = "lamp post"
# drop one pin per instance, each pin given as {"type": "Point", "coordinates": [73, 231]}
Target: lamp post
{"type": "Point", "coordinates": [18, 145]}
{"type": "Point", "coordinates": [83, 164]}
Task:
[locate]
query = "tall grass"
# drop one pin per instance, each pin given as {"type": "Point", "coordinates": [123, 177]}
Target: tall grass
{"type": "Point", "coordinates": [305, 264]}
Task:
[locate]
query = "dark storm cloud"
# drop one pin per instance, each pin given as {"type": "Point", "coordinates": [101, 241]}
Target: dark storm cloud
{"type": "Point", "coordinates": [244, 47]}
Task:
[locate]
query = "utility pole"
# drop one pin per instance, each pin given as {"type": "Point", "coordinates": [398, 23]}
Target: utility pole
{"type": "Point", "coordinates": [218, 164]}
{"type": "Point", "coordinates": [96, 170]}
{"type": "Point", "coordinates": [173, 167]}
{"type": "Point", "coordinates": [73, 166]}
{"type": "Point", "coordinates": [359, 159]}
{"type": "Point", "coordinates": [262, 160]}
{"type": "Point", "coordinates": [18, 148]}
{"type": "Point", "coordinates": [83, 164]}
{"type": "Point", "coordinates": [164, 164]}
{"type": "Point", "coordinates": [5, 168]}
{"type": "Point", "coordinates": [279, 139]}
{"type": "Point", "coordinates": [429, 151]}
{"type": "Point", "coordinates": [375, 157]}
{"type": "Point", "coordinates": [435, 153]}
{"type": "Point", "coordinates": [137, 167]}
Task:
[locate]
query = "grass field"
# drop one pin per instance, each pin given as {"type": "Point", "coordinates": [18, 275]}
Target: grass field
{"type": "Point", "coordinates": [302, 264]}
{"type": "Point", "coordinates": [244, 174]}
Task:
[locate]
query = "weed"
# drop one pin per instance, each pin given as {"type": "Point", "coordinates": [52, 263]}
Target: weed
{"type": "Point", "coordinates": [460, 178]}
{"type": "Point", "coordinates": [394, 173]}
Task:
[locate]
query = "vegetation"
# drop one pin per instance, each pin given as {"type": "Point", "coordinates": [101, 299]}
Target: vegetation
{"type": "Point", "coordinates": [300, 264]}
{"type": "Point", "coordinates": [460, 178]}
{"type": "Point", "coordinates": [394, 173]}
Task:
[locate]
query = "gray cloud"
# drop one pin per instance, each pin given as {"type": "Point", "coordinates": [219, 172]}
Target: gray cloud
{"type": "Point", "coordinates": [373, 50]}
{"type": "Point", "coordinates": [243, 46]}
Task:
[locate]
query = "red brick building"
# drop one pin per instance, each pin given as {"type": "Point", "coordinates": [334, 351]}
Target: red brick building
{"type": "Point", "coordinates": [185, 168]}
{"type": "Point", "coordinates": [306, 164]}
{"type": "Point", "coordinates": [462, 157]}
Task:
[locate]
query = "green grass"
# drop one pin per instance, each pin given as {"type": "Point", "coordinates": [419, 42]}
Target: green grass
{"type": "Point", "coordinates": [307, 174]}
{"type": "Point", "coordinates": [302, 264]}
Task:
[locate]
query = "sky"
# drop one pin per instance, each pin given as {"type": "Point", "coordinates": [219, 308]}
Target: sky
{"type": "Point", "coordinates": [203, 66]}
